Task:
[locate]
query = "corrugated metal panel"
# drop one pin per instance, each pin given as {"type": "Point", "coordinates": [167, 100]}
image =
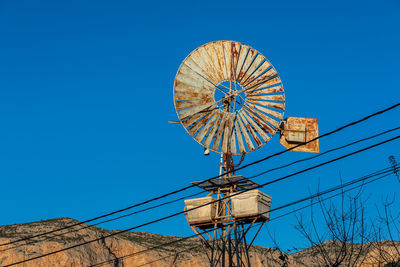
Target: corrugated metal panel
{"type": "Point", "coordinates": [252, 68]}
{"type": "Point", "coordinates": [190, 63]}
{"type": "Point", "coordinates": [267, 104]}
{"type": "Point", "coordinates": [262, 69]}
{"type": "Point", "coordinates": [195, 78]}
{"type": "Point", "coordinates": [256, 127]}
{"type": "Point", "coordinates": [211, 69]}
{"type": "Point", "coordinates": [242, 149]}
{"type": "Point", "coordinates": [187, 84]}
{"type": "Point", "coordinates": [183, 113]}
{"type": "Point", "coordinates": [271, 89]}
{"type": "Point", "coordinates": [261, 76]}
{"type": "Point", "coordinates": [207, 126]}
{"type": "Point", "coordinates": [190, 95]}
{"type": "Point", "coordinates": [247, 139]}
{"type": "Point", "coordinates": [196, 126]}
{"type": "Point", "coordinates": [235, 56]}
{"type": "Point", "coordinates": [228, 58]}
{"type": "Point", "coordinates": [213, 130]}
{"type": "Point", "coordinates": [242, 56]}
{"type": "Point", "coordinates": [265, 117]}
{"type": "Point", "coordinates": [191, 103]}
{"type": "Point", "coordinates": [219, 74]}
{"type": "Point", "coordinates": [200, 57]}
{"type": "Point", "coordinates": [192, 119]}
{"type": "Point", "coordinates": [250, 129]}
{"type": "Point", "coordinates": [269, 111]}
{"type": "Point", "coordinates": [219, 50]}
{"type": "Point", "coordinates": [218, 136]}
{"type": "Point", "coordinates": [227, 135]}
{"type": "Point", "coordinates": [232, 144]}
{"type": "Point", "coordinates": [263, 121]}
{"type": "Point", "coordinates": [249, 60]}
{"type": "Point", "coordinates": [267, 84]}
{"type": "Point", "coordinates": [267, 97]}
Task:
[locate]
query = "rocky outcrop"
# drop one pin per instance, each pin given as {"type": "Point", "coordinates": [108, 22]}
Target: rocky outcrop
{"type": "Point", "coordinates": [337, 253]}
{"type": "Point", "coordinates": [143, 249]}
{"type": "Point", "coordinates": [126, 249]}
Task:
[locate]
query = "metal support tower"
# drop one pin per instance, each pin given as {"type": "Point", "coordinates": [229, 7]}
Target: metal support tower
{"type": "Point", "coordinates": [226, 237]}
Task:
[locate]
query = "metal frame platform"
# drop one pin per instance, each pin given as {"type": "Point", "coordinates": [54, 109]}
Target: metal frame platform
{"type": "Point", "coordinates": [240, 183]}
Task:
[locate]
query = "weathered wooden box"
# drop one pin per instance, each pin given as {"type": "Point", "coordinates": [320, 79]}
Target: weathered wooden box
{"type": "Point", "coordinates": [251, 203]}
{"type": "Point", "coordinates": [202, 215]}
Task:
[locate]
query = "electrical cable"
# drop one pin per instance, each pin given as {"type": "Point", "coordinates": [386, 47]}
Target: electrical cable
{"type": "Point", "coordinates": [185, 197]}
{"type": "Point", "coordinates": [162, 204]}
{"type": "Point", "coordinates": [284, 206]}
{"type": "Point", "coordinates": [314, 139]}
{"type": "Point", "coordinates": [181, 212]}
{"type": "Point", "coordinates": [187, 187]}
{"type": "Point", "coordinates": [105, 221]}
{"type": "Point", "coordinates": [326, 152]}
{"type": "Point", "coordinates": [385, 173]}
{"type": "Point", "coordinates": [335, 195]}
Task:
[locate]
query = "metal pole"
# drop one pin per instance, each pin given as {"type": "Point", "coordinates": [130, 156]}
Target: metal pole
{"type": "Point", "coordinates": [229, 247]}
{"type": "Point", "coordinates": [246, 250]}
{"type": "Point", "coordinates": [223, 247]}
{"type": "Point", "coordinates": [237, 247]}
{"type": "Point", "coordinates": [212, 251]}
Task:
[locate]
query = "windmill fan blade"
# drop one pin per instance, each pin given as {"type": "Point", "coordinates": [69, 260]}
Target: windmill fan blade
{"type": "Point", "coordinates": [229, 97]}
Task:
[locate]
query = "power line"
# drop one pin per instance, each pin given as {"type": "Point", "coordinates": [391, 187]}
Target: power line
{"type": "Point", "coordinates": [326, 152]}
{"type": "Point", "coordinates": [319, 137]}
{"type": "Point", "coordinates": [181, 212]}
{"type": "Point", "coordinates": [188, 196]}
{"type": "Point", "coordinates": [105, 221]}
{"type": "Point", "coordinates": [386, 172]}
{"type": "Point", "coordinates": [283, 206]}
{"type": "Point", "coordinates": [187, 187]}
{"type": "Point", "coordinates": [298, 209]}
{"type": "Point", "coordinates": [332, 196]}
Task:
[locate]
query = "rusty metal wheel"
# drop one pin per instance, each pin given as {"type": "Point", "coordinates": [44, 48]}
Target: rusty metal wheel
{"type": "Point", "coordinates": [229, 97]}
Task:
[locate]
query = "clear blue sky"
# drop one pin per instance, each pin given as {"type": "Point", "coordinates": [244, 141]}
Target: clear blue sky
{"type": "Point", "coordinates": [86, 93]}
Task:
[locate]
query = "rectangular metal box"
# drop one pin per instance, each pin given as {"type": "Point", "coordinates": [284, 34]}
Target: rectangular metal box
{"type": "Point", "coordinates": [200, 215]}
{"type": "Point", "coordinates": [300, 130]}
{"type": "Point", "coordinates": [251, 203]}
{"type": "Point", "coordinates": [298, 135]}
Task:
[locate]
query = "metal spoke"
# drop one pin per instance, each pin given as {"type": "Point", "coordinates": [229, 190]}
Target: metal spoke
{"type": "Point", "coordinates": [224, 86]}
{"type": "Point", "coordinates": [242, 98]}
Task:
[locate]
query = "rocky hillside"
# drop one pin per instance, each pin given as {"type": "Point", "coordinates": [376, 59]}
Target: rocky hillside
{"type": "Point", "coordinates": [134, 244]}
{"type": "Point", "coordinates": [132, 249]}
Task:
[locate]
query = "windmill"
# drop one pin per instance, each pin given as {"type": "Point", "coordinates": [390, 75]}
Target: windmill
{"type": "Point", "coordinates": [230, 99]}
